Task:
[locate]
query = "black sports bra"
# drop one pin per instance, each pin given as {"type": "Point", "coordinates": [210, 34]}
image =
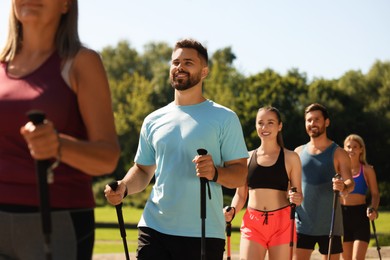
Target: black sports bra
{"type": "Point", "coordinates": [268, 177]}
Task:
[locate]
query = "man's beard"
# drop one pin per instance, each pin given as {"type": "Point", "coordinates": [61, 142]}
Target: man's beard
{"type": "Point", "coordinates": [319, 132]}
{"type": "Point", "coordinates": [187, 83]}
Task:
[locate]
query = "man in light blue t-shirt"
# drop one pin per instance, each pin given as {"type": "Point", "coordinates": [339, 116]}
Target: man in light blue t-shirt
{"type": "Point", "coordinates": [171, 225]}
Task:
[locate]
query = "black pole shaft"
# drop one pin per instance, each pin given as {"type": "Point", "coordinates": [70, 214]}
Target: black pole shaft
{"type": "Point", "coordinates": [292, 219]}
{"type": "Point", "coordinates": [335, 199]}
{"type": "Point", "coordinates": [203, 216]}
{"type": "Point", "coordinates": [114, 186]}
{"type": "Point", "coordinates": [203, 182]}
{"type": "Point", "coordinates": [378, 248]}
{"type": "Point", "coordinates": [41, 167]}
{"type": "Point", "coordinates": [228, 234]}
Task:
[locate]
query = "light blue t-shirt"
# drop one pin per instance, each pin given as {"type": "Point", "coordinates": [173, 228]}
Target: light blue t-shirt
{"type": "Point", "coordinates": [169, 139]}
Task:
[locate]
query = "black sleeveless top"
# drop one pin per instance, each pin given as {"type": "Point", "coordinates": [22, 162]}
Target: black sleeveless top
{"type": "Point", "coordinates": [268, 177]}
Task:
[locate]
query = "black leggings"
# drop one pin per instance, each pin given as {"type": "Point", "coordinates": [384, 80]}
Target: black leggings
{"type": "Point", "coordinates": [72, 233]}
{"type": "Point", "coordinates": [84, 226]}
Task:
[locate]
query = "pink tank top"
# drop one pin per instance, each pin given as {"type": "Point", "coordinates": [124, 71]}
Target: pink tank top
{"type": "Point", "coordinates": [43, 89]}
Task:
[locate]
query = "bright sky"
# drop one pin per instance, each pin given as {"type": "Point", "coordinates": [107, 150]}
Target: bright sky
{"type": "Point", "coordinates": [321, 38]}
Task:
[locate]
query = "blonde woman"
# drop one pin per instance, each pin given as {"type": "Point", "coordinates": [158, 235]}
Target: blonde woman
{"type": "Point", "coordinates": [356, 214]}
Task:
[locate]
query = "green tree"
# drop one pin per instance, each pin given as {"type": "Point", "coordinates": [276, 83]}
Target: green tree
{"type": "Point", "coordinates": [120, 60]}
{"type": "Point", "coordinates": [132, 104]}
{"type": "Point", "coordinates": [224, 82]}
{"type": "Point", "coordinates": [271, 89]}
{"type": "Point", "coordinates": [155, 65]}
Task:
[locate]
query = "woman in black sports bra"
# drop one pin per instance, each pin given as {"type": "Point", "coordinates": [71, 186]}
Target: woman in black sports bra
{"type": "Point", "coordinates": [272, 170]}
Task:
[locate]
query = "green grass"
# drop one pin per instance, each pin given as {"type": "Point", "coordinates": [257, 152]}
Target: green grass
{"type": "Point", "coordinates": [108, 240]}
{"type": "Point", "coordinates": [382, 225]}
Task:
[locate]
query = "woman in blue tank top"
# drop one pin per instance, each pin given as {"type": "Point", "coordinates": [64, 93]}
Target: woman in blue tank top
{"type": "Point", "coordinates": [356, 214]}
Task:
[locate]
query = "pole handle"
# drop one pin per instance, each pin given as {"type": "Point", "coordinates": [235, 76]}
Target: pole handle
{"type": "Point", "coordinates": [114, 186]}
{"type": "Point", "coordinates": [293, 205]}
{"type": "Point", "coordinates": [229, 224]}
{"type": "Point", "coordinates": [203, 182]}
{"type": "Point", "coordinates": [122, 229]}
{"type": "Point", "coordinates": [37, 117]}
{"type": "Point", "coordinates": [338, 177]}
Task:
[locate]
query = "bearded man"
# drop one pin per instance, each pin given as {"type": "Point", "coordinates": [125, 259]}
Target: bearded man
{"type": "Point", "coordinates": [170, 227]}
{"type": "Point", "coordinates": [321, 160]}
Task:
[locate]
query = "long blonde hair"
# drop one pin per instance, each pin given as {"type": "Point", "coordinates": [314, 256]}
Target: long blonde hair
{"type": "Point", "coordinates": [67, 39]}
{"type": "Point", "coordinates": [360, 141]}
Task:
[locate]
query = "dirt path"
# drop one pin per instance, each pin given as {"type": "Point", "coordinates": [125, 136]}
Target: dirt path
{"type": "Point", "coordinates": [372, 253]}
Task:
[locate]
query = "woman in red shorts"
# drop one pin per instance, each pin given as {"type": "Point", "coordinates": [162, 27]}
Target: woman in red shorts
{"type": "Point", "coordinates": [272, 171]}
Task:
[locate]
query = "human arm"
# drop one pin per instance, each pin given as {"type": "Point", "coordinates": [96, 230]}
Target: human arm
{"type": "Point", "coordinates": [239, 199]}
{"type": "Point", "coordinates": [370, 175]}
{"type": "Point", "coordinates": [238, 202]}
{"type": "Point", "coordinates": [342, 165]}
{"type": "Point", "coordinates": [232, 175]}
{"type": "Point", "coordinates": [99, 152]}
{"type": "Point", "coordinates": [294, 167]}
{"type": "Point", "coordinates": [136, 180]}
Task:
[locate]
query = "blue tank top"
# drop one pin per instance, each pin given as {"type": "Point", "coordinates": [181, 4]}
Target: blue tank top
{"type": "Point", "coordinates": [360, 183]}
{"type": "Point", "coordinates": [314, 215]}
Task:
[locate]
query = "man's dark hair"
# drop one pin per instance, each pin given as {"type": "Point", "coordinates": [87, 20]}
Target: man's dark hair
{"type": "Point", "coordinates": [316, 107]}
{"type": "Point", "coordinates": [193, 44]}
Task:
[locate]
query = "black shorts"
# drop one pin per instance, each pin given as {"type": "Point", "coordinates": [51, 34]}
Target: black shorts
{"type": "Point", "coordinates": [154, 245]}
{"type": "Point", "coordinates": [356, 223]}
{"type": "Point", "coordinates": [309, 242]}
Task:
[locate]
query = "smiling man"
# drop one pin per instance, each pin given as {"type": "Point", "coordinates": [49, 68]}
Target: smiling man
{"type": "Point", "coordinates": [321, 160]}
{"type": "Point", "coordinates": [170, 227]}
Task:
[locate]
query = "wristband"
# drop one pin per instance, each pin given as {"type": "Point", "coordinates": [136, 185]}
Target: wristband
{"type": "Point", "coordinates": [234, 213]}
{"type": "Point", "coordinates": [345, 188]}
{"type": "Point", "coordinates": [125, 194]}
{"type": "Point", "coordinates": [371, 209]}
{"type": "Point", "coordinates": [215, 178]}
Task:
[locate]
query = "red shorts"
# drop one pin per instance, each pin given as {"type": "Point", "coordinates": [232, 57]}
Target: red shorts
{"type": "Point", "coordinates": [268, 228]}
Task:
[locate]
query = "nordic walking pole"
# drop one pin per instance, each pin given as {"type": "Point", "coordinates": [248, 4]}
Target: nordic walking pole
{"type": "Point", "coordinates": [335, 199]}
{"type": "Point", "coordinates": [378, 248]}
{"type": "Point", "coordinates": [41, 167]}
{"type": "Point", "coordinates": [292, 218]}
{"type": "Point", "coordinates": [114, 186]}
{"type": "Point", "coordinates": [229, 233]}
{"type": "Point", "coordinates": [203, 182]}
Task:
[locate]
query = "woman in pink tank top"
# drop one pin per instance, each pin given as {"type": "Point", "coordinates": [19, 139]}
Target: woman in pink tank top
{"type": "Point", "coordinates": [45, 67]}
